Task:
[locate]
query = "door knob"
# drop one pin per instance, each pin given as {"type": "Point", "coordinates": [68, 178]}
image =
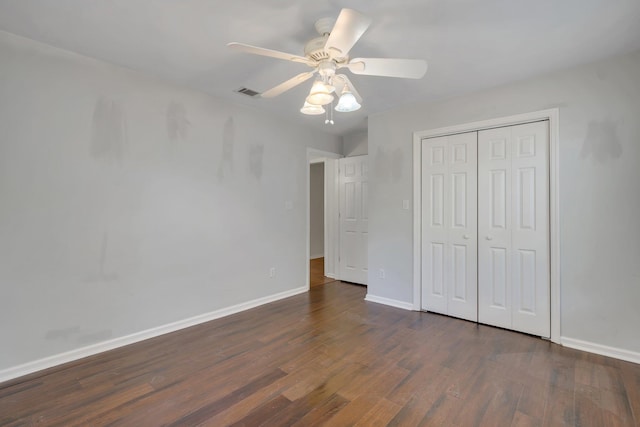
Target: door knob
{"type": "Point", "coordinates": [489, 238]}
{"type": "Point", "coordinates": [466, 237]}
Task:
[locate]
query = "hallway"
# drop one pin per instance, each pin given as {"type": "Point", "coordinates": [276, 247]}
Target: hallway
{"type": "Point", "coordinates": [316, 273]}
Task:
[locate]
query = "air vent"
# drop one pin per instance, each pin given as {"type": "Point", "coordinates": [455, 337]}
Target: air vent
{"type": "Point", "coordinates": [248, 92]}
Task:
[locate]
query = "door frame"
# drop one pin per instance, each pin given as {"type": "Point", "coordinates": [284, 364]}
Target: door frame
{"type": "Point", "coordinates": [553, 115]}
{"type": "Point", "coordinates": [330, 205]}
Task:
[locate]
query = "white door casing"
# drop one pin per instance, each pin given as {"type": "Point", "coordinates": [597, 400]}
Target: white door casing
{"type": "Point", "coordinates": [513, 229]}
{"type": "Point", "coordinates": [354, 218]}
{"type": "Point", "coordinates": [449, 225]}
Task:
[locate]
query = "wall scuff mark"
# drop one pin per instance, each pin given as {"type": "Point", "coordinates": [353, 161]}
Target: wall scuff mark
{"type": "Point", "coordinates": [396, 165]}
{"type": "Point", "coordinates": [102, 276]}
{"type": "Point", "coordinates": [109, 130]}
{"type": "Point", "coordinates": [256, 154]}
{"type": "Point", "coordinates": [177, 122]}
{"type": "Point", "coordinates": [602, 141]}
{"type": "Point", "coordinates": [95, 337]}
{"type": "Point", "coordinates": [228, 141]}
{"type": "Point", "coordinates": [381, 165]}
{"type": "Point", "coordinates": [63, 334]}
{"type": "Point", "coordinates": [388, 165]}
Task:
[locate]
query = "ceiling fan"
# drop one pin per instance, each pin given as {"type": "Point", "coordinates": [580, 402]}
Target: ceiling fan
{"type": "Point", "coordinates": [329, 53]}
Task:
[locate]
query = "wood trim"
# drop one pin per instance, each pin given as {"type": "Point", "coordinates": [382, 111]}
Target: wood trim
{"type": "Point", "coordinates": [554, 203]}
{"type": "Point", "coordinates": [70, 356]}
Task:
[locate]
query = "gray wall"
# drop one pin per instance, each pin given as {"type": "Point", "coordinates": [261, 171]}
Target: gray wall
{"type": "Point", "coordinates": [316, 214]}
{"type": "Point", "coordinates": [355, 144]}
{"type": "Point", "coordinates": [599, 190]}
{"type": "Point", "coordinates": [127, 203]}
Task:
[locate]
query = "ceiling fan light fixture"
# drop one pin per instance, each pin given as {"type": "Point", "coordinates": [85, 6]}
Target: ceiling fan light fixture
{"type": "Point", "coordinates": [347, 102]}
{"type": "Point", "coordinates": [320, 93]}
{"type": "Point", "coordinates": [311, 109]}
{"type": "Point", "coordinates": [330, 53]}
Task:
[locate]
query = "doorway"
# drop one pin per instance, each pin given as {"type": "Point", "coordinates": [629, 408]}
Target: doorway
{"type": "Point", "coordinates": [322, 217]}
{"type": "Point", "coordinates": [316, 225]}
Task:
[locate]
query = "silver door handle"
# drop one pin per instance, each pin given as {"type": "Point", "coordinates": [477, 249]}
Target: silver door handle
{"type": "Point", "coordinates": [466, 237]}
{"type": "Point", "coordinates": [489, 238]}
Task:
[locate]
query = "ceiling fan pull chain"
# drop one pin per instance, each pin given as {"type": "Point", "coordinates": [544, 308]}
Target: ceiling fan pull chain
{"type": "Point", "coordinates": [331, 113]}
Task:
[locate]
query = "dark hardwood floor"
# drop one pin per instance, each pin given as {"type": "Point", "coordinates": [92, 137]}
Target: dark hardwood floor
{"type": "Point", "coordinates": [316, 273]}
{"type": "Point", "coordinates": [328, 357]}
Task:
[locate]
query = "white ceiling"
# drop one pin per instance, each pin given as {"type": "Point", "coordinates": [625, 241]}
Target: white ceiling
{"type": "Point", "coordinates": [469, 44]}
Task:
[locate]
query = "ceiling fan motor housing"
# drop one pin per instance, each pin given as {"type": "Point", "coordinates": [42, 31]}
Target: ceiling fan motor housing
{"type": "Point", "coordinates": [314, 49]}
{"type": "Point", "coordinates": [325, 25]}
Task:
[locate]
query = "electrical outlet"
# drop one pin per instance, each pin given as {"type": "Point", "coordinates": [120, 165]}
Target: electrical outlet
{"type": "Point", "coordinates": [272, 272]}
{"type": "Point", "coordinates": [405, 205]}
{"type": "Point", "coordinates": [288, 205]}
{"type": "Point", "coordinates": [381, 273]}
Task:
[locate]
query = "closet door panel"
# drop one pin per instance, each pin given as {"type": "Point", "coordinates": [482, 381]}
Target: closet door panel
{"type": "Point", "coordinates": [434, 226]}
{"type": "Point", "coordinates": [463, 220]}
{"type": "Point", "coordinates": [513, 228]}
{"type": "Point", "coordinates": [530, 233]}
{"type": "Point", "coordinates": [449, 225]}
{"type": "Point", "coordinates": [494, 222]}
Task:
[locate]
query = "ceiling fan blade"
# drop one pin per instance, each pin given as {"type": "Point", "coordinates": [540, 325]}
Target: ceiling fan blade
{"type": "Point", "coordinates": [404, 68]}
{"type": "Point", "coordinates": [340, 80]}
{"type": "Point", "coordinates": [285, 86]}
{"type": "Point", "coordinates": [348, 28]}
{"type": "Point", "coordinates": [270, 53]}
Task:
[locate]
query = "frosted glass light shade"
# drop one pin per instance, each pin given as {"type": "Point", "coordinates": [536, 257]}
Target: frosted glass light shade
{"type": "Point", "coordinates": [311, 109]}
{"type": "Point", "coordinates": [347, 103]}
{"type": "Point", "coordinates": [320, 94]}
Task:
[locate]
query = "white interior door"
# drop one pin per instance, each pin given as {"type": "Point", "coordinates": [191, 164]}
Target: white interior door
{"type": "Point", "coordinates": [513, 229]}
{"type": "Point", "coordinates": [354, 219]}
{"type": "Point", "coordinates": [449, 225]}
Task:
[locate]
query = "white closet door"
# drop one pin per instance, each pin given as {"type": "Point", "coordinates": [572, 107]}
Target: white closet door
{"type": "Point", "coordinates": [434, 230]}
{"type": "Point", "coordinates": [449, 225]}
{"type": "Point", "coordinates": [513, 228]}
{"type": "Point", "coordinates": [354, 219]}
{"type": "Point", "coordinates": [494, 224]}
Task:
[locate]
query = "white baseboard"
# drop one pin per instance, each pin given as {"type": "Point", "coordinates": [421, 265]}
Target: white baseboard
{"type": "Point", "coordinates": [79, 353]}
{"type": "Point", "coordinates": [388, 301]}
{"type": "Point", "coordinates": [604, 350]}
{"type": "Point", "coordinates": [316, 256]}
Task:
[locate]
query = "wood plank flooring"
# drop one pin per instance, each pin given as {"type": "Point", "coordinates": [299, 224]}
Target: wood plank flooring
{"type": "Point", "coordinates": [330, 358]}
{"type": "Point", "coordinates": [316, 273]}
